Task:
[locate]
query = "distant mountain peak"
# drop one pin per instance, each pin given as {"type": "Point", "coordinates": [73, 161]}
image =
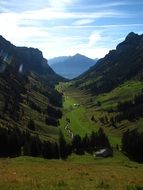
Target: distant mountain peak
{"type": "Point", "coordinates": [77, 54]}
{"type": "Point", "coordinates": [73, 66]}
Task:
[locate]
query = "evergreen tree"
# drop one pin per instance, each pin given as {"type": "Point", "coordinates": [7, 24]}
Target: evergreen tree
{"type": "Point", "coordinates": [3, 142]}
{"type": "Point", "coordinates": [62, 146]}
{"type": "Point", "coordinates": [102, 140]}
{"type": "Point", "coordinates": [35, 146]}
{"type": "Point", "coordinates": [56, 151]}
{"type": "Point", "coordinates": [93, 138]}
{"type": "Point", "coordinates": [86, 143]}
{"type": "Point", "coordinates": [27, 144]}
{"type": "Point", "coordinates": [47, 151]}
{"type": "Point", "coordinates": [132, 143]}
{"type": "Point", "coordinates": [77, 145]}
{"type": "Point", "coordinates": [14, 145]}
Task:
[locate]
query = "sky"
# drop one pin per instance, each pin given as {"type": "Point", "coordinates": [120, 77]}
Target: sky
{"type": "Point", "coordinates": [67, 27]}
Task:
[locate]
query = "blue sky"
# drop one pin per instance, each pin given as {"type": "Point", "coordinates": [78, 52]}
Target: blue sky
{"type": "Point", "coordinates": [67, 27]}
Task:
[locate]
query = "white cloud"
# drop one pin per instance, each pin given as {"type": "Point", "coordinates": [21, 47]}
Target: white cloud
{"type": "Point", "coordinates": [8, 23]}
{"type": "Point", "coordinates": [108, 26]}
{"type": "Point", "coordinates": [56, 13]}
{"type": "Point", "coordinates": [95, 52]}
{"type": "Point", "coordinates": [60, 3]}
{"type": "Point", "coordinates": [10, 29]}
{"type": "Point", "coordinates": [94, 38]}
{"type": "Point", "coordinates": [83, 22]}
{"type": "Point", "coordinates": [72, 50]}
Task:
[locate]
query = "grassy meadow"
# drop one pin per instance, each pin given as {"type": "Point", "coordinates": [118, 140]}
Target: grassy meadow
{"type": "Point", "coordinates": [83, 173]}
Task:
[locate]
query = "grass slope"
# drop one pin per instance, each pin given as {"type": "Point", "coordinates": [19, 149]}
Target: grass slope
{"type": "Point", "coordinates": [82, 173]}
{"type": "Point", "coordinates": [126, 91]}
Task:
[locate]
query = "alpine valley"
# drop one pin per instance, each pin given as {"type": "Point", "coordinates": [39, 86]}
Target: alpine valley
{"type": "Point", "coordinates": [61, 134]}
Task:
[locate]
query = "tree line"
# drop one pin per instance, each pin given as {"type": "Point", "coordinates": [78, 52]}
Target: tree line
{"type": "Point", "coordinates": [14, 142]}
{"type": "Point", "coordinates": [132, 145]}
{"type": "Point", "coordinates": [90, 143]}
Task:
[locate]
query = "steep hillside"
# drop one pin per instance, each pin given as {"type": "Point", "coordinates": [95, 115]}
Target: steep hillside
{"type": "Point", "coordinates": [124, 63]}
{"type": "Point", "coordinates": [27, 90]}
{"type": "Point", "coordinates": [73, 66]}
{"type": "Point", "coordinates": [114, 87]}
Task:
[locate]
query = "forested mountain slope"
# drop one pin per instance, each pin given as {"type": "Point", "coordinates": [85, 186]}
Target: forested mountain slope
{"type": "Point", "coordinates": [119, 65]}
{"type": "Point", "coordinates": [27, 89]}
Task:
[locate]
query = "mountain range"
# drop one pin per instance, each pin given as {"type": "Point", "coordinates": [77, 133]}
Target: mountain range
{"type": "Point", "coordinates": [71, 66]}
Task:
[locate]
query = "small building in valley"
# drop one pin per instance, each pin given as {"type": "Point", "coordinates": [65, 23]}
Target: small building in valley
{"type": "Point", "coordinates": [106, 152]}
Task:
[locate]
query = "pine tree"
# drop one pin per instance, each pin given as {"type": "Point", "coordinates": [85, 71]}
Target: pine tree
{"type": "Point", "coordinates": [86, 143]}
{"type": "Point", "coordinates": [77, 145]}
{"type": "Point", "coordinates": [93, 138]}
{"type": "Point", "coordinates": [3, 142]}
{"type": "Point", "coordinates": [102, 139]}
{"type": "Point", "coordinates": [35, 146]}
{"type": "Point", "coordinates": [56, 151]}
{"type": "Point", "coordinates": [47, 151]}
{"type": "Point", "coordinates": [132, 143]}
{"type": "Point", "coordinates": [62, 146]}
